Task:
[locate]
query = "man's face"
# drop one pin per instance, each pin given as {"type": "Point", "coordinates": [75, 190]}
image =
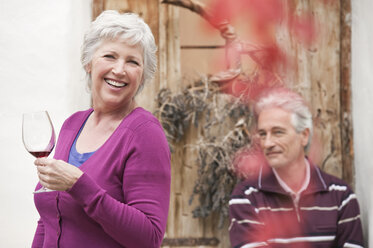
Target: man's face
{"type": "Point", "coordinates": [282, 146]}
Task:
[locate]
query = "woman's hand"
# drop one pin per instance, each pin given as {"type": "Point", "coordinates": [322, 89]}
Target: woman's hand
{"type": "Point", "coordinates": [57, 174]}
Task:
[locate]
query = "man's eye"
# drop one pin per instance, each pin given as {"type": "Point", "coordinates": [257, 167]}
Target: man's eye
{"type": "Point", "coordinates": [278, 132]}
{"type": "Point", "coordinates": [262, 135]}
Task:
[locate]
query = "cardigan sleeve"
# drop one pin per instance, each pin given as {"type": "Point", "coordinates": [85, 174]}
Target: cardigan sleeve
{"type": "Point", "coordinates": [140, 220]}
{"type": "Point", "coordinates": [39, 235]}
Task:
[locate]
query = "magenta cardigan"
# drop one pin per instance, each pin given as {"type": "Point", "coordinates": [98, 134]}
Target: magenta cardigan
{"type": "Point", "coordinates": [121, 200]}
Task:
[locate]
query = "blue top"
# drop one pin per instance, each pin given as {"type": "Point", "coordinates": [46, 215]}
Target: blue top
{"type": "Point", "coordinates": [76, 158]}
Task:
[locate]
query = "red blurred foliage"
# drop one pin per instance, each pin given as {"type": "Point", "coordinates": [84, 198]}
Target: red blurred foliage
{"type": "Point", "coordinates": [250, 90]}
{"type": "Point", "coordinates": [268, 57]}
{"type": "Point", "coordinates": [278, 225]}
{"type": "Point", "coordinates": [221, 10]}
{"type": "Point", "coordinates": [268, 11]}
{"type": "Point", "coordinates": [259, 11]}
{"type": "Point", "coordinates": [248, 161]}
{"type": "Point", "coordinates": [304, 29]}
{"type": "Point", "coordinates": [261, 19]}
{"type": "Point", "coordinates": [259, 16]}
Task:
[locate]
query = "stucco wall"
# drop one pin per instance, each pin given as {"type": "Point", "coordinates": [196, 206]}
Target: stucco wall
{"type": "Point", "coordinates": [362, 100]}
{"type": "Point", "coordinates": [39, 70]}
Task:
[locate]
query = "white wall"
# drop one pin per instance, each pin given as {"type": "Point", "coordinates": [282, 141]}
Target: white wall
{"type": "Point", "coordinates": [39, 70]}
{"type": "Point", "coordinates": [362, 101]}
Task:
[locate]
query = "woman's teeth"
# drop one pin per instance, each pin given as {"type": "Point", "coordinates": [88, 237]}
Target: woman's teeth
{"type": "Point", "coordinates": [115, 83]}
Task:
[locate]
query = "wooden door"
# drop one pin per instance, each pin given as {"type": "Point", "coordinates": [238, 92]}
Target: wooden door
{"type": "Point", "coordinates": [321, 73]}
{"type": "Point", "coordinates": [187, 51]}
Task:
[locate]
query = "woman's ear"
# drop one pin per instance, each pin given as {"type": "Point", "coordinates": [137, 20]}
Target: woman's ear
{"type": "Point", "coordinates": [88, 68]}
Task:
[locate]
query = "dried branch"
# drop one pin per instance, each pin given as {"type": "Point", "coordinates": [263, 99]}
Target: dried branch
{"type": "Point", "coordinates": [177, 112]}
{"type": "Point", "coordinates": [203, 104]}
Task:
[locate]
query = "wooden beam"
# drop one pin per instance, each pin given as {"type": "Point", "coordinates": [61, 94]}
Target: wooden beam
{"type": "Point", "coordinates": [345, 93]}
{"type": "Point", "coordinates": [190, 242]}
{"type": "Point", "coordinates": [202, 47]}
{"type": "Point", "coordinates": [97, 7]}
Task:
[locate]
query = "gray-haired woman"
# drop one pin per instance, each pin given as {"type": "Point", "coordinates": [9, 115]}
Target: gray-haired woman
{"type": "Point", "coordinates": [111, 169]}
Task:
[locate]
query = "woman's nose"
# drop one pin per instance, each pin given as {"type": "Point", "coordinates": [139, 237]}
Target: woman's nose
{"type": "Point", "coordinates": [118, 68]}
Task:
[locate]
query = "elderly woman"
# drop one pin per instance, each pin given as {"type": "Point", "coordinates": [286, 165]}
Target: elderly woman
{"type": "Point", "coordinates": [111, 169]}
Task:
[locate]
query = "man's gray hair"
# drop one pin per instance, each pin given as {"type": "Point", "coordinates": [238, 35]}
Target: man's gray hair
{"type": "Point", "coordinates": [128, 27]}
{"type": "Point", "coordinates": [292, 102]}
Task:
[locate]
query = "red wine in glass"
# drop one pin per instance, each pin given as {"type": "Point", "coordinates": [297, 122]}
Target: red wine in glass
{"type": "Point", "coordinates": [40, 154]}
{"type": "Point", "coordinates": [38, 136]}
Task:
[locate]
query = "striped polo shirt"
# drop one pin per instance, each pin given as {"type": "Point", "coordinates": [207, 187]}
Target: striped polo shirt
{"type": "Point", "coordinates": [263, 214]}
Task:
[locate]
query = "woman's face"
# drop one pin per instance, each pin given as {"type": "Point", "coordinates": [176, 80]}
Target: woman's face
{"type": "Point", "coordinates": [116, 70]}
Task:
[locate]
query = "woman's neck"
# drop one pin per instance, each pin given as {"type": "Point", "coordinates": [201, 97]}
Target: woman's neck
{"type": "Point", "coordinates": [111, 115]}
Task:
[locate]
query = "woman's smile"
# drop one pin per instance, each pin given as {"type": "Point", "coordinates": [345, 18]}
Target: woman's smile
{"type": "Point", "coordinates": [115, 83]}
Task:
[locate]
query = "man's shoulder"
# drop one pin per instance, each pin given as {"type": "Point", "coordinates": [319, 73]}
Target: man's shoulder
{"type": "Point", "coordinates": [330, 179]}
{"type": "Point", "coordinates": [246, 185]}
{"type": "Point", "coordinates": [336, 187]}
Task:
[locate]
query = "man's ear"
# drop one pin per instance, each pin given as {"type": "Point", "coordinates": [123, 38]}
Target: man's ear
{"type": "Point", "coordinates": [305, 136]}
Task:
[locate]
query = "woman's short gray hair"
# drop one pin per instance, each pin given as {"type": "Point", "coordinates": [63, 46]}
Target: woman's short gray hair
{"type": "Point", "coordinates": [289, 101]}
{"type": "Point", "coordinates": [130, 28]}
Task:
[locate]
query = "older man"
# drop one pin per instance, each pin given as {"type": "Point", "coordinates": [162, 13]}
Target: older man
{"type": "Point", "coordinates": [291, 202]}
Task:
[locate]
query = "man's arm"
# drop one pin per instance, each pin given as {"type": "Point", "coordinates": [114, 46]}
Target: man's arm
{"type": "Point", "coordinates": [349, 229]}
{"type": "Point", "coordinates": [246, 229]}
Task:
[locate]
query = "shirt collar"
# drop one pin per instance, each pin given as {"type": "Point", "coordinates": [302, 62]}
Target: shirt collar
{"type": "Point", "coordinates": [267, 180]}
{"type": "Point", "coordinates": [304, 185]}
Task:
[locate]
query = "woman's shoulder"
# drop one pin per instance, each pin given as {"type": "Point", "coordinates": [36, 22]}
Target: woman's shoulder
{"type": "Point", "coordinates": [139, 118]}
{"type": "Point", "coordinates": [144, 127]}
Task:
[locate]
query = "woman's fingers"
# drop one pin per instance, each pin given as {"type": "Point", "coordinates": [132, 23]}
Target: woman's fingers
{"type": "Point", "coordinates": [44, 177]}
{"type": "Point", "coordinates": [43, 161]}
{"type": "Point", "coordinates": [57, 174]}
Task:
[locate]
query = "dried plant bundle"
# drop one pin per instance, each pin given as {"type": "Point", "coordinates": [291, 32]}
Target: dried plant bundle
{"type": "Point", "coordinates": [202, 103]}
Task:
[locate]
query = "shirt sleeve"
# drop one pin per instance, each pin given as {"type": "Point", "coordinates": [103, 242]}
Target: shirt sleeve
{"type": "Point", "coordinates": [140, 220]}
{"type": "Point", "coordinates": [246, 229]}
{"type": "Point", "coordinates": [39, 235]}
{"type": "Point", "coordinates": [349, 229]}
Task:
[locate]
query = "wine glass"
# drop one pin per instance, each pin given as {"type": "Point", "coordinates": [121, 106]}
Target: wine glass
{"type": "Point", "coordinates": [38, 136]}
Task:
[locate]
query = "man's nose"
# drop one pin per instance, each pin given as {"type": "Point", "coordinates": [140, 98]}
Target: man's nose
{"type": "Point", "coordinates": [268, 141]}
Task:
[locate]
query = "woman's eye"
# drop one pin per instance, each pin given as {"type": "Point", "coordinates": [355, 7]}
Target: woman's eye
{"type": "Point", "coordinates": [133, 62]}
{"type": "Point", "coordinates": [109, 56]}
